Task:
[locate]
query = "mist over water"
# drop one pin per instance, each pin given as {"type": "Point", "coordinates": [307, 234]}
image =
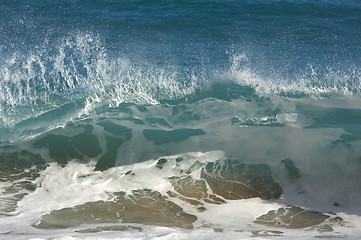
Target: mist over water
{"type": "Point", "coordinates": [197, 120]}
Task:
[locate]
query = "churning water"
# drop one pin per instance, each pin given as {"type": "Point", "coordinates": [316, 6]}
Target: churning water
{"type": "Point", "coordinates": [180, 119]}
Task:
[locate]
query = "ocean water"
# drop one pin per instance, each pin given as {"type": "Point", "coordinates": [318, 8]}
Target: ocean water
{"type": "Point", "coordinates": [180, 119]}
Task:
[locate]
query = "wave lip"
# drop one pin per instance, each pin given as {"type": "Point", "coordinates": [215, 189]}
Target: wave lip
{"type": "Point", "coordinates": [79, 77]}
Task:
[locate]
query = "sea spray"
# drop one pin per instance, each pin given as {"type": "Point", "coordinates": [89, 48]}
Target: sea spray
{"type": "Point", "coordinates": [180, 120]}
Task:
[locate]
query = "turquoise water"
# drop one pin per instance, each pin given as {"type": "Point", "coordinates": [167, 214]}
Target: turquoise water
{"type": "Point", "coordinates": [180, 119]}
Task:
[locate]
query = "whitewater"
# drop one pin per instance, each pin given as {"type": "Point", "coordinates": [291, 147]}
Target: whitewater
{"type": "Point", "coordinates": [180, 120]}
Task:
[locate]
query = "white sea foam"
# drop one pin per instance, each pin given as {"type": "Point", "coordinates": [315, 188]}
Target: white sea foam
{"type": "Point", "coordinates": [75, 184]}
{"type": "Point", "coordinates": [78, 68]}
{"type": "Point", "coordinates": [278, 127]}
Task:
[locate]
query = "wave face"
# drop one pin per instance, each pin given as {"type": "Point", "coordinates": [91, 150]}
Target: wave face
{"type": "Point", "coordinates": [180, 119]}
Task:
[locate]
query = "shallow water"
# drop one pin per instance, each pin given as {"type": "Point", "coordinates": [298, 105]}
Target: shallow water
{"type": "Point", "coordinates": [180, 120]}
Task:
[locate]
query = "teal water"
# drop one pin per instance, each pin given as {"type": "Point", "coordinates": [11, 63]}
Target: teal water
{"type": "Point", "coordinates": [222, 119]}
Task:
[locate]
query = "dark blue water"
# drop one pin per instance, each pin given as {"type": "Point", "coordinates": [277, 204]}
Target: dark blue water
{"type": "Point", "coordinates": [284, 35]}
{"type": "Point", "coordinates": [57, 46]}
{"type": "Point", "coordinates": [262, 94]}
